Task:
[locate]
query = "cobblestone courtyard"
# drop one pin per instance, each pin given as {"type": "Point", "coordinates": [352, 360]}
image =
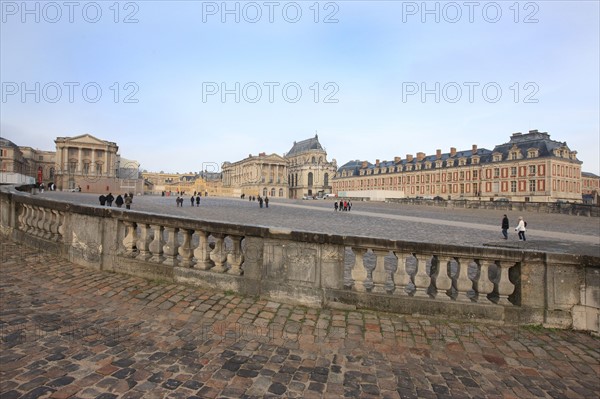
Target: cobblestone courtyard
{"type": "Point", "coordinates": [71, 332]}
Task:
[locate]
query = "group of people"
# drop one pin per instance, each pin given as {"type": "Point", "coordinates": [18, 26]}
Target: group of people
{"type": "Point", "coordinates": [51, 187]}
{"type": "Point", "coordinates": [343, 205]}
{"type": "Point", "coordinates": [520, 229]}
{"type": "Point", "coordinates": [193, 199]}
{"type": "Point", "coordinates": [260, 200]}
{"type": "Point", "coordinates": [107, 200]}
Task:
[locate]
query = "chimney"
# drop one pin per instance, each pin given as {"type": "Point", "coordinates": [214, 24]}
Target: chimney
{"type": "Point", "coordinates": [474, 150]}
{"type": "Point", "coordinates": [397, 159]}
{"type": "Point", "coordinates": [452, 151]}
{"type": "Point", "coordinates": [409, 157]}
{"type": "Point", "coordinates": [364, 165]}
{"type": "Point", "coordinates": [420, 156]}
{"type": "Point", "coordinates": [262, 154]}
{"type": "Point", "coordinates": [438, 154]}
{"type": "Point", "coordinates": [377, 163]}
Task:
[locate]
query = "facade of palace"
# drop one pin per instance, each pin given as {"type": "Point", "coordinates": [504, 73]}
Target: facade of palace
{"type": "Point", "coordinates": [309, 172]}
{"type": "Point", "coordinates": [529, 167]}
{"type": "Point", "coordinates": [259, 175]}
{"type": "Point", "coordinates": [302, 171]}
{"type": "Point", "coordinates": [83, 161]}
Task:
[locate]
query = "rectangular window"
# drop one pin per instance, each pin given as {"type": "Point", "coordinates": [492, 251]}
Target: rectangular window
{"type": "Point", "coordinates": [496, 172]}
{"type": "Point", "coordinates": [532, 169]}
{"type": "Point", "coordinates": [513, 186]}
{"type": "Point", "coordinates": [513, 171]}
{"type": "Point", "coordinates": [532, 185]}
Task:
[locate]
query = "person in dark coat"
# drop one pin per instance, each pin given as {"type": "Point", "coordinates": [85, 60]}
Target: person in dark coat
{"type": "Point", "coordinates": [505, 227]}
{"type": "Point", "coordinates": [267, 202]}
{"type": "Point", "coordinates": [128, 200]}
{"type": "Point", "coordinates": [260, 201]}
{"type": "Point", "coordinates": [335, 206]}
{"type": "Point", "coordinates": [192, 199]}
{"type": "Point", "coordinates": [102, 199]}
{"type": "Point", "coordinates": [198, 201]}
{"type": "Point", "coordinates": [109, 199]}
{"type": "Point", "coordinates": [119, 201]}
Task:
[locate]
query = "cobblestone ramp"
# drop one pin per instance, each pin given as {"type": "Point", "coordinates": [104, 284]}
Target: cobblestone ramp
{"type": "Point", "coordinates": [69, 332]}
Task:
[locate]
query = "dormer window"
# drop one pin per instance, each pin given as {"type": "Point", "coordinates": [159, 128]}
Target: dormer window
{"type": "Point", "coordinates": [462, 162]}
{"type": "Point", "coordinates": [532, 154]}
{"type": "Point", "coordinates": [514, 155]}
{"type": "Point", "coordinates": [497, 157]}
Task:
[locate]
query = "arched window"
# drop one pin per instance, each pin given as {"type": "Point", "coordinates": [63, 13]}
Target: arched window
{"type": "Point", "coordinates": [326, 179]}
{"type": "Point", "coordinates": [310, 179]}
{"type": "Point", "coordinates": [52, 173]}
{"type": "Point", "coordinates": [272, 192]}
{"type": "Point", "coordinates": [264, 192]}
{"type": "Point", "coordinates": [281, 192]}
{"type": "Point", "coordinates": [313, 159]}
{"type": "Point", "coordinates": [296, 180]}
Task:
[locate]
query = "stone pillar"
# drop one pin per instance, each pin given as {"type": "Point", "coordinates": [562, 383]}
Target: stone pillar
{"type": "Point", "coordinates": [156, 246]}
{"type": "Point", "coordinates": [202, 253]}
{"type": "Point", "coordinates": [401, 276]}
{"type": "Point", "coordinates": [93, 164]}
{"type": "Point", "coordinates": [484, 286]}
{"type": "Point", "coordinates": [143, 244]}
{"type": "Point", "coordinates": [185, 249]}
{"type": "Point", "coordinates": [506, 287]}
{"type": "Point", "coordinates": [359, 272]}
{"type": "Point", "coordinates": [219, 255]}
{"type": "Point", "coordinates": [380, 275]}
{"type": "Point", "coordinates": [463, 282]}
{"type": "Point", "coordinates": [422, 279]}
{"type": "Point", "coordinates": [443, 282]}
{"type": "Point", "coordinates": [170, 249]}
{"type": "Point", "coordinates": [236, 257]}
{"type": "Point", "coordinates": [130, 240]}
{"type": "Point", "coordinates": [79, 161]}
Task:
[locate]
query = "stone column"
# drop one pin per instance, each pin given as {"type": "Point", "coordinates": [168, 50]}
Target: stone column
{"type": "Point", "coordinates": [505, 286]}
{"type": "Point", "coordinates": [443, 282]}
{"type": "Point", "coordinates": [380, 275]}
{"type": "Point", "coordinates": [202, 253]}
{"type": "Point", "coordinates": [219, 255]}
{"type": "Point", "coordinates": [359, 272]}
{"type": "Point", "coordinates": [463, 282]}
{"type": "Point", "coordinates": [236, 257]}
{"type": "Point", "coordinates": [483, 285]}
{"type": "Point", "coordinates": [79, 161]}
{"type": "Point", "coordinates": [143, 243]}
{"type": "Point", "coordinates": [422, 279]}
{"type": "Point", "coordinates": [401, 276]}
{"type": "Point", "coordinates": [156, 246]}
{"type": "Point", "coordinates": [170, 249]}
{"type": "Point", "coordinates": [185, 249]}
{"type": "Point", "coordinates": [130, 240]}
{"type": "Point", "coordinates": [93, 164]}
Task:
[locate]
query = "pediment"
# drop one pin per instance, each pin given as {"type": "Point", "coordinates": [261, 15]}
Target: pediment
{"type": "Point", "coordinates": [85, 139]}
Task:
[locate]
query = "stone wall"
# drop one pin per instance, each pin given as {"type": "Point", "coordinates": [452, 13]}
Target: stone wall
{"type": "Point", "coordinates": [315, 269]}
{"type": "Point", "coordinates": [541, 207]}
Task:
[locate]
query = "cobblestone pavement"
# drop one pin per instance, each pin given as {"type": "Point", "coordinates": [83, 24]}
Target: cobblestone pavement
{"type": "Point", "coordinates": [71, 332]}
{"type": "Point", "coordinates": [548, 232]}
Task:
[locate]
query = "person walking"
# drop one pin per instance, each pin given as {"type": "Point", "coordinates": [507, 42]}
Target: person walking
{"type": "Point", "coordinates": [102, 199]}
{"type": "Point", "coordinates": [128, 200]}
{"type": "Point", "coordinates": [505, 227]}
{"type": "Point", "coordinates": [198, 200]}
{"type": "Point", "coordinates": [109, 199]}
{"type": "Point", "coordinates": [119, 201]}
{"type": "Point", "coordinates": [335, 206]}
{"type": "Point", "coordinates": [349, 206]}
{"type": "Point", "coordinates": [267, 202]}
{"type": "Point", "coordinates": [192, 199]}
{"type": "Point", "coordinates": [260, 201]}
{"type": "Point", "coordinates": [521, 228]}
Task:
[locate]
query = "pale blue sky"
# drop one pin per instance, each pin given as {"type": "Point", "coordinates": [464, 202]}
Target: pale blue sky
{"type": "Point", "coordinates": [371, 56]}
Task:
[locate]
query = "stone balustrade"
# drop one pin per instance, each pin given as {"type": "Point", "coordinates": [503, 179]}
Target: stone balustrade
{"type": "Point", "coordinates": [312, 268]}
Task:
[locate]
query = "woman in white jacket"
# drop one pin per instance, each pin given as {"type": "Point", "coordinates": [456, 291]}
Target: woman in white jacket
{"type": "Point", "coordinates": [521, 229]}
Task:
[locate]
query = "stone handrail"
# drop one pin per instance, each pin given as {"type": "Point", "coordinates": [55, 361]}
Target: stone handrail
{"type": "Point", "coordinates": [314, 269]}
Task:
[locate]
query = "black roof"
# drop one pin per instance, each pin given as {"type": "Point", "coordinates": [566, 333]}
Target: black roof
{"type": "Point", "coordinates": [305, 146]}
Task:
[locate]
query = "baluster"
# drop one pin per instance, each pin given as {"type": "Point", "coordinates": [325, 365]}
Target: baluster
{"type": "Point", "coordinates": [422, 279]}
{"type": "Point", "coordinates": [505, 286]}
{"type": "Point", "coordinates": [463, 282]}
{"type": "Point", "coordinates": [46, 225]}
{"type": "Point", "coordinates": [359, 272]}
{"type": "Point", "coordinates": [143, 243]}
{"type": "Point", "coordinates": [170, 249]}
{"type": "Point", "coordinates": [443, 282]}
{"type": "Point", "coordinates": [380, 275]}
{"type": "Point", "coordinates": [185, 249]}
{"type": "Point", "coordinates": [61, 226]}
{"type": "Point", "coordinates": [402, 278]}
{"type": "Point", "coordinates": [235, 258]}
{"type": "Point", "coordinates": [23, 218]}
{"type": "Point", "coordinates": [219, 255]}
{"type": "Point", "coordinates": [54, 225]}
{"type": "Point", "coordinates": [484, 285]}
{"type": "Point", "coordinates": [202, 252]}
{"type": "Point", "coordinates": [30, 219]}
{"type": "Point", "coordinates": [40, 223]}
{"type": "Point", "coordinates": [34, 223]}
{"type": "Point", "coordinates": [156, 246]}
{"type": "Point", "coordinates": [130, 239]}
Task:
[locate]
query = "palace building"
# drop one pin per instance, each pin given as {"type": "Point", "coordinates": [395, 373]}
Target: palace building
{"type": "Point", "coordinates": [302, 171]}
{"type": "Point", "coordinates": [529, 167]}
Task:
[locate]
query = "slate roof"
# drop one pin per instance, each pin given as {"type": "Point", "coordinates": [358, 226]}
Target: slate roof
{"type": "Point", "coordinates": [305, 146]}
